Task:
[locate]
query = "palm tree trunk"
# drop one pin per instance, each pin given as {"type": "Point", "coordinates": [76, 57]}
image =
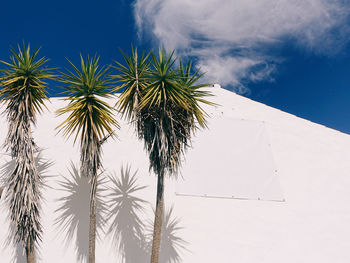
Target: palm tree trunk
{"type": "Point", "coordinates": [158, 220]}
{"type": "Point", "coordinates": [92, 230]}
{"type": "Point", "coordinates": [30, 253]}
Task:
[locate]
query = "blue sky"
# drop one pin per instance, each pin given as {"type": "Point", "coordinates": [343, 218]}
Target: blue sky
{"type": "Point", "coordinates": [292, 55]}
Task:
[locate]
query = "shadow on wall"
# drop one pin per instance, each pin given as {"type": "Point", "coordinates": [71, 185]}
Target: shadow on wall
{"type": "Point", "coordinates": [43, 166]}
{"type": "Point", "coordinates": [130, 236]}
{"type": "Point", "coordinates": [72, 218]}
{"type": "Point", "coordinates": [126, 228]}
{"type": "Point", "coordinates": [172, 244]}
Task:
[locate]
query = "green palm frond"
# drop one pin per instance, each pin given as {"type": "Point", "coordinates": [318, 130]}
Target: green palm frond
{"type": "Point", "coordinates": [25, 76]}
{"type": "Point", "coordinates": [132, 79]}
{"type": "Point", "coordinates": [89, 114]}
{"type": "Point", "coordinates": [188, 80]}
{"type": "Point", "coordinates": [163, 87]}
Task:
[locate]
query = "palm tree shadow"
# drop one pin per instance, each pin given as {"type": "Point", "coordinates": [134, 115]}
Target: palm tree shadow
{"type": "Point", "coordinates": [131, 235]}
{"type": "Point", "coordinates": [73, 212]}
{"type": "Point", "coordinates": [172, 245]}
{"type": "Point", "coordinates": [6, 170]}
{"type": "Point", "coordinates": [19, 254]}
{"type": "Point", "coordinates": [126, 228]}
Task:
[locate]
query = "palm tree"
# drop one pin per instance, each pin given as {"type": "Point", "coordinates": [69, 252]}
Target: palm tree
{"type": "Point", "coordinates": [167, 112]}
{"type": "Point", "coordinates": [91, 119]}
{"type": "Point", "coordinates": [24, 93]}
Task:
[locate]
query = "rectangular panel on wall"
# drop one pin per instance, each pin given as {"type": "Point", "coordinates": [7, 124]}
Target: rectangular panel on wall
{"type": "Point", "coordinates": [231, 159]}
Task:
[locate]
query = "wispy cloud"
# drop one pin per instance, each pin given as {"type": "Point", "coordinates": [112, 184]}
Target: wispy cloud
{"type": "Point", "coordinates": [231, 40]}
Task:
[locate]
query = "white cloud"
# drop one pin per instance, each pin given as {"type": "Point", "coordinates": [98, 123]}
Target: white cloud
{"type": "Point", "coordinates": [230, 38]}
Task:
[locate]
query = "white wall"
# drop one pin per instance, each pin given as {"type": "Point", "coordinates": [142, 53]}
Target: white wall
{"type": "Point", "coordinates": [311, 225]}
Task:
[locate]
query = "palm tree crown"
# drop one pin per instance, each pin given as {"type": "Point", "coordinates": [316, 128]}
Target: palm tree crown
{"type": "Point", "coordinates": [163, 101]}
{"type": "Point", "coordinates": [90, 116]}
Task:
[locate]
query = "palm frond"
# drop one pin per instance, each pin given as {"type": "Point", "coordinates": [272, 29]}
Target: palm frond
{"type": "Point", "coordinates": [163, 86]}
{"type": "Point", "coordinates": [132, 79]}
{"type": "Point", "coordinates": [90, 118]}
{"type": "Point", "coordinates": [25, 77]}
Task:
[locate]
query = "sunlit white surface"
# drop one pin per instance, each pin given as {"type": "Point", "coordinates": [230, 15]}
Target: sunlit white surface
{"type": "Point", "coordinates": [311, 225]}
{"type": "Point", "coordinates": [252, 173]}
